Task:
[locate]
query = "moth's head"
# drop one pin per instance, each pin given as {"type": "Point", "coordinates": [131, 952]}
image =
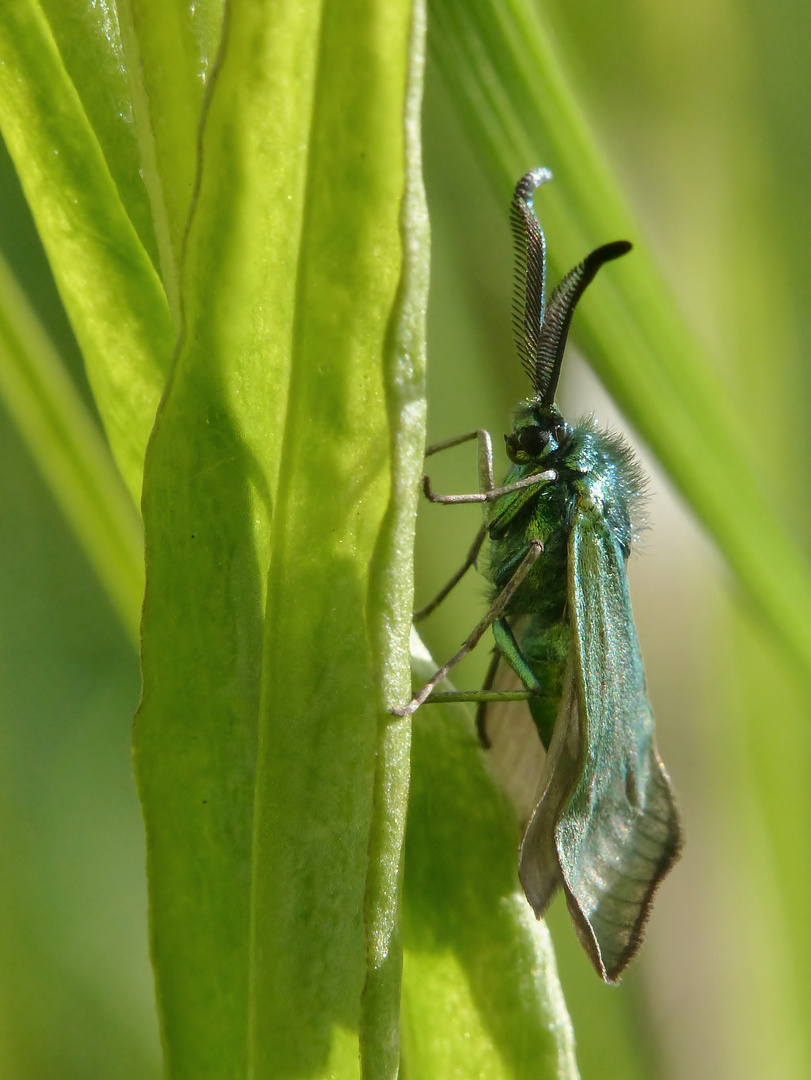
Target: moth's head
{"type": "Point", "coordinates": [538, 432]}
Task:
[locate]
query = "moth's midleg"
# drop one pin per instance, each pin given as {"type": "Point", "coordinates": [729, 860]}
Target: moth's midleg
{"type": "Point", "coordinates": [496, 610]}
{"type": "Point", "coordinates": [470, 560]}
{"type": "Point", "coordinates": [487, 483]}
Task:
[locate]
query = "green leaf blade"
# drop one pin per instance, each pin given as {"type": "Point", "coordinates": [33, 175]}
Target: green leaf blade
{"type": "Point", "coordinates": [267, 482]}
{"type": "Point", "coordinates": [88, 39]}
{"type": "Point", "coordinates": [312, 857]}
{"type": "Point", "coordinates": [171, 50]}
{"type": "Point", "coordinates": [210, 490]}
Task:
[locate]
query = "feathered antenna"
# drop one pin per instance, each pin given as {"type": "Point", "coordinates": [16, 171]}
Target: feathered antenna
{"type": "Point", "coordinates": [541, 329]}
{"type": "Point", "coordinates": [558, 317]}
{"type": "Point", "coordinates": [530, 270]}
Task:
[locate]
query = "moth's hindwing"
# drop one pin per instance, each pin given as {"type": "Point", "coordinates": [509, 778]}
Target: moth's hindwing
{"type": "Point", "coordinates": [538, 861]}
{"type": "Point", "coordinates": [515, 755]}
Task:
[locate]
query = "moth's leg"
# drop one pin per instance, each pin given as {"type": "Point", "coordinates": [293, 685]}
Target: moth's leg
{"type": "Point", "coordinates": [511, 651]}
{"type": "Point", "coordinates": [481, 708]}
{"type": "Point", "coordinates": [496, 611]}
{"type": "Point", "coordinates": [488, 491]}
{"type": "Point", "coordinates": [472, 557]}
{"type": "Point", "coordinates": [493, 494]}
{"type": "Point", "coordinates": [486, 475]}
{"type": "Point", "coordinates": [508, 649]}
{"type": "Point", "coordinates": [487, 479]}
{"type": "Point", "coordinates": [541, 694]}
{"type": "Point", "coordinates": [486, 483]}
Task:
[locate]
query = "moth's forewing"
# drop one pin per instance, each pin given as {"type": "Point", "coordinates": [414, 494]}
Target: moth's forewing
{"type": "Point", "coordinates": [515, 754]}
{"type": "Point", "coordinates": [619, 832]}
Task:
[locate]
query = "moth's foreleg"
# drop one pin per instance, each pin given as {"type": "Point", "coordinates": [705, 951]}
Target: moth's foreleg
{"type": "Point", "coordinates": [493, 494]}
{"type": "Point", "coordinates": [486, 475]}
{"type": "Point", "coordinates": [488, 492]}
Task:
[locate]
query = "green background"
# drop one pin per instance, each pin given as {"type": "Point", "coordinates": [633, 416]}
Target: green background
{"type": "Point", "coordinates": [701, 111]}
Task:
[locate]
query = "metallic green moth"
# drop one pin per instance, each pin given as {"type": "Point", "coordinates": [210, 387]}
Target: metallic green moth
{"type": "Point", "coordinates": [604, 827]}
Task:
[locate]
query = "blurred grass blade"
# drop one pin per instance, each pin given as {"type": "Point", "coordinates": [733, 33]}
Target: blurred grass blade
{"type": "Point", "coordinates": [481, 995]}
{"type": "Point", "coordinates": [499, 61]}
{"type": "Point", "coordinates": [109, 287]}
{"type": "Point", "coordinates": [266, 485]}
{"type": "Point", "coordinates": [169, 47]}
{"type": "Point", "coordinates": [70, 451]}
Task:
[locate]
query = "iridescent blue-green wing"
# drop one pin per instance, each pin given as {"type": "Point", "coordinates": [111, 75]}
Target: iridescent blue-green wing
{"type": "Point", "coordinates": [606, 827]}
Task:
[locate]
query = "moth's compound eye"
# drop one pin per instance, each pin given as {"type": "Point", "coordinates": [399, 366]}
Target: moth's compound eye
{"type": "Point", "coordinates": [526, 444]}
{"type": "Point", "coordinates": [533, 441]}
